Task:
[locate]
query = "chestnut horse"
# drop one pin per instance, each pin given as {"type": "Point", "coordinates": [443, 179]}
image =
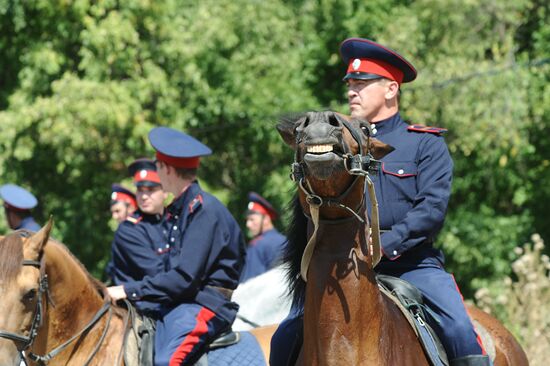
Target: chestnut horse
{"type": "Point", "coordinates": [55, 312]}
{"type": "Point", "coordinates": [347, 319]}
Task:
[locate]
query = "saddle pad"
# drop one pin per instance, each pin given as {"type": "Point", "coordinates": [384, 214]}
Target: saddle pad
{"type": "Point", "coordinates": [246, 352]}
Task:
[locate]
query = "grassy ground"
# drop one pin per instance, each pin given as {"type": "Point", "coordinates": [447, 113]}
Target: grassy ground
{"type": "Point", "coordinates": [522, 303]}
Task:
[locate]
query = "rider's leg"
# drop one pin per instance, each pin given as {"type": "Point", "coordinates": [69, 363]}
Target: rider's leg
{"type": "Point", "coordinates": [442, 295]}
{"type": "Point", "coordinates": [287, 341]}
{"type": "Point", "coordinates": [183, 333]}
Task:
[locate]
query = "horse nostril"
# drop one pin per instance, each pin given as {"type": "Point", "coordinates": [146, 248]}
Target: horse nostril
{"type": "Point", "coordinates": [333, 121]}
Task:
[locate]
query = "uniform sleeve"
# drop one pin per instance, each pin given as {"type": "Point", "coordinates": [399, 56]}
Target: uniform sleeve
{"type": "Point", "coordinates": [425, 219]}
{"type": "Point", "coordinates": [133, 255]}
{"type": "Point", "coordinates": [183, 281]}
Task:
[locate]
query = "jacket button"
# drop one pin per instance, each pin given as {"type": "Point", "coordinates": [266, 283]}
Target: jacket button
{"type": "Point", "coordinates": [400, 171]}
{"type": "Point", "coordinates": [395, 252]}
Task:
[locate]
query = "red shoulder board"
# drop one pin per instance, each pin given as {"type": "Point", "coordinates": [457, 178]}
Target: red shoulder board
{"type": "Point", "coordinates": [420, 128]}
{"type": "Point", "coordinates": [196, 203]}
{"type": "Point", "coordinates": [134, 220]}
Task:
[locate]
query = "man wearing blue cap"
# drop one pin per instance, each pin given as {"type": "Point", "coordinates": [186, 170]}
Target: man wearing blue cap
{"type": "Point", "coordinates": [140, 246]}
{"type": "Point", "coordinates": [206, 255]}
{"type": "Point", "coordinates": [414, 185]}
{"type": "Point", "coordinates": [265, 249]}
{"type": "Point", "coordinates": [18, 203]}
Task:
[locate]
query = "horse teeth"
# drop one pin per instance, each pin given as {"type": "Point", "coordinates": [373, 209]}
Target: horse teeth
{"type": "Point", "coordinates": [319, 148]}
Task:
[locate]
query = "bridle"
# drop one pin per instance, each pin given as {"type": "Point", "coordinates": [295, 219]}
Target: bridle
{"type": "Point", "coordinates": [358, 165]}
{"type": "Point", "coordinates": [27, 341]}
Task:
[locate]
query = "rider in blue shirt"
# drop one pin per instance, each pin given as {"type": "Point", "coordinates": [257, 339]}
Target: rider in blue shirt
{"type": "Point", "coordinates": [413, 189]}
{"type": "Point", "coordinates": [139, 247]}
{"type": "Point", "coordinates": [265, 249]}
{"type": "Point", "coordinates": [18, 203]}
{"type": "Point", "coordinates": [205, 257]}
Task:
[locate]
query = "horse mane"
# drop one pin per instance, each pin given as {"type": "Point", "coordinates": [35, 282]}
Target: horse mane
{"type": "Point", "coordinates": [11, 257]}
{"type": "Point", "coordinates": [292, 258]}
{"type": "Point", "coordinates": [97, 284]}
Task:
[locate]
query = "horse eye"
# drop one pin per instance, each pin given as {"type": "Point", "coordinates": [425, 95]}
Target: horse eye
{"type": "Point", "coordinates": [30, 295]}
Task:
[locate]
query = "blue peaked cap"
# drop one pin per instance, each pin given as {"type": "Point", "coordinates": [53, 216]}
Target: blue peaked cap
{"type": "Point", "coordinates": [18, 197]}
{"type": "Point", "coordinates": [176, 144]}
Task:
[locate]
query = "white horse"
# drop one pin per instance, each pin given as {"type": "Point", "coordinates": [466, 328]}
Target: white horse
{"type": "Point", "coordinates": [263, 300]}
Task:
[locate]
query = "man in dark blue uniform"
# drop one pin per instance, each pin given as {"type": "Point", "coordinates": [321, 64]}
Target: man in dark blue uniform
{"type": "Point", "coordinates": [18, 203]}
{"type": "Point", "coordinates": [266, 247]}
{"type": "Point", "coordinates": [140, 247]}
{"type": "Point", "coordinates": [414, 188]}
{"type": "Point", "coordinates": [206, 255]}
{"type": "Point", "coordinates": [123, 203]}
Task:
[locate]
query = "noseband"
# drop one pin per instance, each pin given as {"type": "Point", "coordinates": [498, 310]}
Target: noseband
{"type": "Point", "coordinates": [359, 165]}
{"type": "Point", "coordinates": [43, 289]}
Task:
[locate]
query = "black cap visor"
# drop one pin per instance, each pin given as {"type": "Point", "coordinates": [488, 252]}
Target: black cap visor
{"type": "Point", "coordinates": [147, 183]}
{"type": "Point", "coordinates": [361, 76]}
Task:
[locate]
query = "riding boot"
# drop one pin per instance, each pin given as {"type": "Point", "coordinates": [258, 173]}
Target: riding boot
{"type": "Point", "coordinates": [472, 360]}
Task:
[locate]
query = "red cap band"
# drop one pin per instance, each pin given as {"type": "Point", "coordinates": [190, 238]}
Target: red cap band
{"type": "Point", "coordinates": [256, 207]}
{"type": "Point", "coordinates": [376, 67]}
{"type": "Point", "coordinates": [188, 163]}
{"type": "Point", "coordinates": [123, 197]}
{"type": "Point", "coordinates": [146, 175]}
{"type": "Point", "coordinates": [15, 208]}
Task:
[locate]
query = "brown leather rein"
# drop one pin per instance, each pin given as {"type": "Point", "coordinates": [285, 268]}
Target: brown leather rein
{"type": "Point", "coordinates": [27, 341]}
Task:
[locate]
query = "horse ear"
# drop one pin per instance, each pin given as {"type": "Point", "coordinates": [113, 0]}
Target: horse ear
{"type": "Point", "coordinates": [35, 244]}
{"type": "Point", "coordinates": [379, 149]}
{"type": "Point", "coordinates": [287, 129]}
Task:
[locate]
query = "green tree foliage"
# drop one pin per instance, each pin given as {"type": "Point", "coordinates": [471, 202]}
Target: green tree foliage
{"type": "Point", "coordinates": [84, 81]}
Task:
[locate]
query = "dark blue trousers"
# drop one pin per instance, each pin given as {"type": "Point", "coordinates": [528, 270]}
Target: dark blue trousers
{"type": "Point", "coordinates": [183, 333]}
{"type": "Point", "coordinates": [441, 294]}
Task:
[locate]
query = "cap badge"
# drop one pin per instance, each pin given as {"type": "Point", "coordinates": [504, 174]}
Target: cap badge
{"type": "Point", "coordinates": [356, 63]}
{"type": "Point", "coordinates": [143, 173]}
{"type": "Point", "coordinates": [113, 196]}
{"type": "Point", "coordinates": [250, 205]}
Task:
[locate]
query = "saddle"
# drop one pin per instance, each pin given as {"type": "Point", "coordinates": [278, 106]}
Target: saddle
{"type": "Point", "coordinates": [139, 339]}
{"type": "Point", "coordinates": [410, 301]}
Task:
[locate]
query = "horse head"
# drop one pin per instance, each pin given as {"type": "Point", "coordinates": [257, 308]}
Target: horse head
{"type": "Point", "coordinates": [331, 149]}
{"type": "Point", "coordinates": [333, 155]}
{"type": "Point", "coordinates": [22, 290]}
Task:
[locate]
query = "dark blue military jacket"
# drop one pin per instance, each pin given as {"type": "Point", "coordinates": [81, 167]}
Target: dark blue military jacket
{"type": "Point", "coordinates": [263, 253]}
{"type": "Point", "coordinates": [206, 250]}
{"type": "Point", "coordinates": [28, 223]}
{"type": "Point", "coordinates": [412, 189]}
{"type": "Point", "coordinates": [139, 249]}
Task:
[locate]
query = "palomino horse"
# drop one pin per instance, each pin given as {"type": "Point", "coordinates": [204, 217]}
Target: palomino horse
{"type": "Point", "coordinates": [55, 312]}
{"type": "Point", "coordinates": [347, 319]}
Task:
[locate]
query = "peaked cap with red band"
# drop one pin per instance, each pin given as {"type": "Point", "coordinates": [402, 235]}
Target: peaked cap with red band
{"type": "Point", "coordinates": [258, 204]}
{"type": "Point", "coordinates": [144, 172]}
{"type": "Point", "coordinates": [176, 148]}
{"type": "Point", "coordinates": [17, 198]}
{"type": "Point", "coordinates": [369, 60]}
{"type": "Point", "coordinates": [121, 194]}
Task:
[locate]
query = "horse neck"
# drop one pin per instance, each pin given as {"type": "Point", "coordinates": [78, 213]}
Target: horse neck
{"type": "Point", "coordinates": [343, 305]}
{"type": "Point", "coordinates": [74, 298]}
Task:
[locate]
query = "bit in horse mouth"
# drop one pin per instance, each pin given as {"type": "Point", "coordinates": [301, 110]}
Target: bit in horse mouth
{"type": "Point", "coordinates": [319, 149]}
